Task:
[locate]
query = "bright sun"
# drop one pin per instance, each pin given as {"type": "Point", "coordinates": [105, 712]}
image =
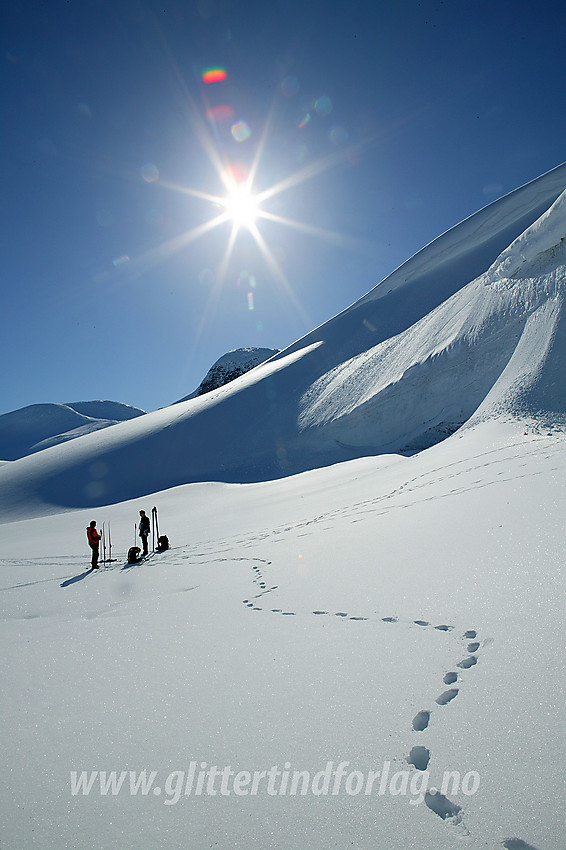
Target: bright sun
{"type": "Point", "coordinates": [241, 206]}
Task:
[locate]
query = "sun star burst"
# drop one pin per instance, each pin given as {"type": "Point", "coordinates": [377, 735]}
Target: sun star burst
{"type": "Point", "coordinates": [242, 206]}
{"type": "Point", "coordinates": [243, 209]}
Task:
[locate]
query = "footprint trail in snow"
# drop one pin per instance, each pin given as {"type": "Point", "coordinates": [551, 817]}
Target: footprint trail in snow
{"type": "Point", "coordinates": [419, 756]}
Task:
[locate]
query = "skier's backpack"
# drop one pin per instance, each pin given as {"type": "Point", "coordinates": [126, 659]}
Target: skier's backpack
{"type": "Point", "coordinates": [134, 555]}
{"type": "Point", "coordinates": [163, 543]}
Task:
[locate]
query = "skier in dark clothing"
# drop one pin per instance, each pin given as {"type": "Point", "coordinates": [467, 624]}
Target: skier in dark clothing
{"type": "Point", "coordinates": [144, 529]}
{"type": "Point", "coordinates": [94, 542]}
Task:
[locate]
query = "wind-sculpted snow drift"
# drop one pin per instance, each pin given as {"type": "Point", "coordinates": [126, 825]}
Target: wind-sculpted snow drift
{"type": "Point", "coordinates": [471, 327]}
{"type": "Point", "coordinates": [488, 345]}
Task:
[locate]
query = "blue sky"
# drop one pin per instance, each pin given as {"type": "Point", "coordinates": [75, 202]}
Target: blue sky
{"type": "Point", "coordinates": [368, 129]}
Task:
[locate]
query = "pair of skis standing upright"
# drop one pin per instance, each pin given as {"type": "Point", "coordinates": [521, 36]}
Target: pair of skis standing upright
{"type": "Point", "coordinates": [106, 540]}
{"type": "Point", "coordinates": [104, 534]}
{"type": "Point", "coordinates": [162, 541]}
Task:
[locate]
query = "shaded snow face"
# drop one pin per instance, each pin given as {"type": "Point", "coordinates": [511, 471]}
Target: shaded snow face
{"type": "Point", "coordinates": [40, 426]}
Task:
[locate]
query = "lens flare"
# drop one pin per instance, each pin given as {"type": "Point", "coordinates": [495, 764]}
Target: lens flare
{"type": "Point", "coordinates": [214, 75]}
{"type": "Point", "coordinates": [220, 114]}
{"type": "Point", "coordinates": [323, 106]}
{"type": "Point", "coordinates": [241, 131]}
{"type": "Point", "coordinates": [241, 205]}
{"type": "Point", "coordinates": [290, 86]}
{"type": "Point", "coordinates": [149, 172]}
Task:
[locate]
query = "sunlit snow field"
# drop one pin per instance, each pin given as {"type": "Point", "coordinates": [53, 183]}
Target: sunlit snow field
{"type": "Point", "coordinates": [346, 619]}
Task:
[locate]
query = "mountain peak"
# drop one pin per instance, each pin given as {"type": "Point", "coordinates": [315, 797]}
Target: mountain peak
{"type": "Point", "coordinates": [230, 366]}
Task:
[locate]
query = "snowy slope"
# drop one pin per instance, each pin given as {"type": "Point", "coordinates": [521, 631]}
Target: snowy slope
{"type": "Point", "coordinates": [397, 618]}
{"type": "Point", "coordinates": [494, 337]}
{"type": "Point", "coordinates": [293, 624]}
{"type": "Point", "coordinates": [39, 426]}
{"type": "Point", "coordinates": [230, 366]}
{"type": "Point", "coordinates": [398, 370]}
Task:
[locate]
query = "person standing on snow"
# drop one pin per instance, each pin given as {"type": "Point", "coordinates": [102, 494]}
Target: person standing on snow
{"type": "Point", "coordinates": [144, 529]}
{"type": "Point", "coordinates": [94, 542]}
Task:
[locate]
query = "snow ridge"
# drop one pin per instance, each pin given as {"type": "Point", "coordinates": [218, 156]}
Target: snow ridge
{"type": "Point", "coordinates": [436, 374]}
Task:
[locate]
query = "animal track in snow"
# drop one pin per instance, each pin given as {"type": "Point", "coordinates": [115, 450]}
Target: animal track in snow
{"type": "Point", "coordinates": [421, 721]}
{"type": "Point", "coordinates": [258, 579]}
{"type": "Point", "coordinates": [517, 844]}
{"type": "Point", "coordinates": [443, 807]}
{"type": "Point", "coordinates": [419, 757]}
{"type": "Point", "coordinates": [447, 696]}
{"type": "Point", "coordinates": [466, 663]}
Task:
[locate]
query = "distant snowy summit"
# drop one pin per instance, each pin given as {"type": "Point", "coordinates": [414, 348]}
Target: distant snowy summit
{"type": "Point", "coordinates": [39, 426]}
{"type": "Point", "coordinates": [229, 367]}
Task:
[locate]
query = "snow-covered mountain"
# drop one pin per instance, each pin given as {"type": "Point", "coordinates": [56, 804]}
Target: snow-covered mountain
{"type": "Point", "coordinates": [497, 344]}
{"type": "Point", "coordinates": [38, 426]}
{"type": "Point", "coordinates": [470, 324]}
{"type": "Point", "coordinates": [230, 366]}
{"type": "Point", "coordinates": [367, 654]}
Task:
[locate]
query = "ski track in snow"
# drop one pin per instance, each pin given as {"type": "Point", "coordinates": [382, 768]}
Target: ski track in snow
{"type": "Point", "coordinates": [403, 497]}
